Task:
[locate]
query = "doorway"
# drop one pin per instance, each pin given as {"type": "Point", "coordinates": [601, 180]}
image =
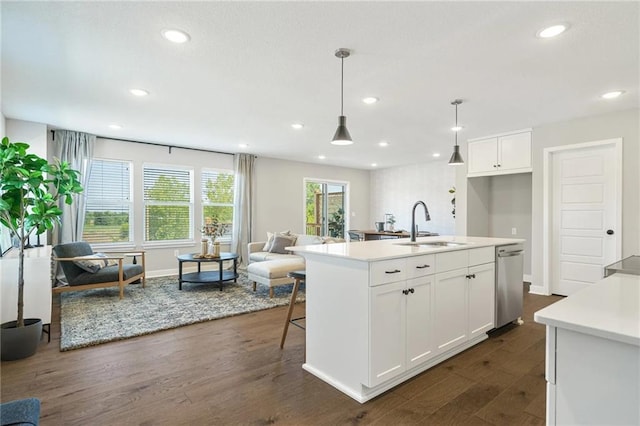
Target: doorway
{"type": "Point", "coordinates": [325, 207]}
{"type": "Point", "coordinates": [583, 215]}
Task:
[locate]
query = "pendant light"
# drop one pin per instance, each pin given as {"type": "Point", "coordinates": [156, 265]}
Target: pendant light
{"type": "Point", "coordinates": [342, 136]}
{"type": "Point", "coordinates": [456, 158]}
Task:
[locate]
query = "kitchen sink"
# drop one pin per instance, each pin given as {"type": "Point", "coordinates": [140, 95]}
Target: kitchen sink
{"type": "Point", "coordinates": [432, 244]}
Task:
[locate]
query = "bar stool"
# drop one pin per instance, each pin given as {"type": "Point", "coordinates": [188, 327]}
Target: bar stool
{"type": "Point", "coordinates": [297, 276]}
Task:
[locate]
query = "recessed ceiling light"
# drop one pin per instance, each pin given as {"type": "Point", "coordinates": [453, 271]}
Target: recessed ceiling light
{"type": "Point", "coordinates": [138, 92]}
{"type": "Point", "coordinates": [243, 145]}
{"type": "Point", "coordinates": [612, 95]}
{"type": "Point", "coordinates": [383, 143]}
{"type": "Point", "coordinates": [370, 100]}
{"type": "Point", "coordinates": [115, 126]}
{"type": "Point", "coordinates": [297, 126]}
{"type": "Point", "coordinates": [436, 154]}
{"type": "Point", "coordinates": [456, 128]}
{"type": "Point", "coordinates": [321, 157]}
{"type": "Point", "coordinates": [176, 36]}
{"type": "Point", "coordinates": [374, 164]}
{"type": "Point", "coordinates": [552, 31]}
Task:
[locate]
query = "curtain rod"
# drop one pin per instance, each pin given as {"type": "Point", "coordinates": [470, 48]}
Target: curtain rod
{"type": "Point", "coordinates": [154, 144]}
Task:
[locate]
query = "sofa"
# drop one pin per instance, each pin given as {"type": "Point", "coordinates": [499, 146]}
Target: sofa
{"type": "Point", "coordinates": [269, 261]}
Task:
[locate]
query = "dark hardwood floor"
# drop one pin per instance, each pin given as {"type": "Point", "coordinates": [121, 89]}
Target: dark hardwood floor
{"type": "Point", "coordinates": [232, 371]}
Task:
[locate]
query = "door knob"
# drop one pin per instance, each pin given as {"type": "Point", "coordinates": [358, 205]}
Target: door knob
{"type": "Point", "coordinates": [610, 232]}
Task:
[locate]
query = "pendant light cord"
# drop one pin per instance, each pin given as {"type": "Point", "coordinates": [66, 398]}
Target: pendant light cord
{"type": "Point", "coordinates": [341, 86]}
{"type": "Point", "coordinates": [457, 124]}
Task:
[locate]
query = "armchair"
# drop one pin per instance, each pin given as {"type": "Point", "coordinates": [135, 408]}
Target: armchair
{"type": "Point", "coordinates": [71, 255]}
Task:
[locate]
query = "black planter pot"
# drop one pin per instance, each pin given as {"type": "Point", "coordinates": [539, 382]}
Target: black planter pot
{"type": "Point", "coordinates": [20, 342]}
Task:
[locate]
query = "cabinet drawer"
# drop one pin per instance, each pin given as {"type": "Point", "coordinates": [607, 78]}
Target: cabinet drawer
{"type": "Point", "coordinates": [387, 271]}
{"type": "Point", "coordinates": [452, 260]}
{"type": "Point", "coordinates": [419, 266]}
{"type": "Point", "coordinates": [481, 255]}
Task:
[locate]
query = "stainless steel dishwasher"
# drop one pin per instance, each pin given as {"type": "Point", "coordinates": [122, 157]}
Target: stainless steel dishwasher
{"type": "Point", "coordinates": [509, 282]}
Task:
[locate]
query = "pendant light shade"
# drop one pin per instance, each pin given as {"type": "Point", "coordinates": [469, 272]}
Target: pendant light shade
{"type": "Point", "coordinates": [342, 136]}
{"type": "Point", "coordinates": [456, 158]}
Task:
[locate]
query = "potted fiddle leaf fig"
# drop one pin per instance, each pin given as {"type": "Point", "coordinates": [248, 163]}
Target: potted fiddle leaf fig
{"type": "Point", "coordinates": [30, 189]}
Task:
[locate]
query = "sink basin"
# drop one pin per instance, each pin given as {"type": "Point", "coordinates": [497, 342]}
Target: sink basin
{"type": "Point", "coordinates": [432, 244]}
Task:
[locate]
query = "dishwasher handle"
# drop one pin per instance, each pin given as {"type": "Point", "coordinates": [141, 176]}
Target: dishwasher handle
{"type": "Point", "coordinates": [510, 253]}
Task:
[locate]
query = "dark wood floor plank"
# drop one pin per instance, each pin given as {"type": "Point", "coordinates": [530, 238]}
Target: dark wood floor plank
{"type": "Point", "coordinates": [231, 371]}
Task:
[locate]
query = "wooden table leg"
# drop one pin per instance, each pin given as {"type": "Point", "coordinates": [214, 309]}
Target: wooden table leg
{"type": "Point", "coordinates": [292, 302]}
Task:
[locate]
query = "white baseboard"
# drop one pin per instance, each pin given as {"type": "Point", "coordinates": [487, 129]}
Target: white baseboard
{"type": "Point", "coordinates": [537, 289]}
{"type": "Point", "coordinates": [527, 278]}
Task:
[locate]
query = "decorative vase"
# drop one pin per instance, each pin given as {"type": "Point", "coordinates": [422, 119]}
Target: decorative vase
{"type": "Point", "coordinates": [204, 247]}
{"type": "Point", "coordinates": [20, 342]}
{"type": "Point", "coordinates": [216, 249]}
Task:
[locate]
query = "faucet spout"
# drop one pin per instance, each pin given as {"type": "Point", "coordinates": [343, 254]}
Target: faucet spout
{"type": "Point", "coordinates": [413, 218]}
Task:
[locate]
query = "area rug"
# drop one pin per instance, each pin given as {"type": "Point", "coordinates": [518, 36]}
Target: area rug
{"type": "Point", "coordinates": [92, 317]}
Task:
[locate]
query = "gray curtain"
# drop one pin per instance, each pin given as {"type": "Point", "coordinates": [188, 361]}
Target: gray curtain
{"type": "Point", "coordinates": [244, 165]}
{"type": "Point", "coordinates": [76, 148]}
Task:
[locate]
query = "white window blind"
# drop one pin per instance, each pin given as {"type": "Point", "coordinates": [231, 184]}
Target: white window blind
{"type": "Point", "coordinates": [109, 206]}
{"type": "Point", "coordinates": [217, 197]}
{"type": "Point", "coordinates": [168, 202]}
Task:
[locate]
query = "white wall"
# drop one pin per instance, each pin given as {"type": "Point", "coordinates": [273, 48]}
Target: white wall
{"type": "Point", "coordinates": [395, 190]}
{"type": "Point", "coordinates": [2, 124]}
{"type": "Point", "coordinates": [625, 124]}
{"type": "Point", "coordinates": [280, 195]}
{"type": "Point", "coordinates": [474, 203]}
{"type": "Point", "coordinates": [35, 134]}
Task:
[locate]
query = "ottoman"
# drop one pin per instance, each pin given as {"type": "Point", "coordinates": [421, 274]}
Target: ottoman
{"type": "Point", "coordinates": [274, 272]}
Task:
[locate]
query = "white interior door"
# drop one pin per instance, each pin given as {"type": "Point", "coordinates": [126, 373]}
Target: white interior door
{"type": "Point", "coordinates": [585, 221]}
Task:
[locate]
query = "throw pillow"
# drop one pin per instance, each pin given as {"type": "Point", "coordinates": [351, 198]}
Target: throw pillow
{"type": "Point", "coordinates": [91, 264]}
{"type": "Point", "coordinates": [280, 242]}
{"type": "Point", "coordinates": [270, 236]}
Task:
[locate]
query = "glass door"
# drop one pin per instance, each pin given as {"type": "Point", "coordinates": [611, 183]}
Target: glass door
{"type": "Point", "coordinates": [324, 208]}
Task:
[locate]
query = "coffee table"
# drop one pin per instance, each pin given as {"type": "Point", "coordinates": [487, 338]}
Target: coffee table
{"type": "Point", "coordinates": [212, 277]}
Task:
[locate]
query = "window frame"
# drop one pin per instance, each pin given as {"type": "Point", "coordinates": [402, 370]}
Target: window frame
{"type": "Point", "coordinates": [145, 203]}
{"type": "Point", "coordinates": [130, 203]}
{"type": "Point", "coordinates": [205, 203]}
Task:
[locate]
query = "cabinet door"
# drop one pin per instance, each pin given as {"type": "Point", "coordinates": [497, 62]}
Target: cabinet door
{"type": "Point", "coordinates": [514, 152]}
{"type": "Point", "coordinates": [419, 331]}
{"type": "Point", "coordinates": [483, 156]}
{"type": "Point", "coordinates": [481, 299]}
{"type": "Point", "coordinates": [388, 332]}
{"type": "Point", "coordinates": [450, 309]}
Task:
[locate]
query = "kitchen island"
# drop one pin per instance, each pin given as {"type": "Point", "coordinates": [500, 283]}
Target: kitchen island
{"type": "Point", "coordinates": [380, 312]}
{"type": "Point", "coordinates": [593, 354]}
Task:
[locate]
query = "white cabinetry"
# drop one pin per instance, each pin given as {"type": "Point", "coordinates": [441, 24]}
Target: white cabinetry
{"type": "Point", "coordinates": [498, 155]}
{"type": "Point", "coordinates": [400, 316]}
{"type": "Point", "coordinates": [464, 296]}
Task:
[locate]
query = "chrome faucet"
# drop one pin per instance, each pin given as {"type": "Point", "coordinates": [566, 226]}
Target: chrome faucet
{"type": "Point", "coordinates": [413, 218]}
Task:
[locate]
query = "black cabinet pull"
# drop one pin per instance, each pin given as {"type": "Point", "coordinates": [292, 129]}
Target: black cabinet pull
{"type": "Point", "coordinates": [422, 267]}
{"type": "Point", "coordinates": [395, 271]}
{"type": "Point", "coordinates": [405, 292]}
{"type": "Point", "coordinates": [609, 231]}
{"type": "Point", "coordinates": [471, 276]}
{"type": "Point", "coordinates": [411, 290]}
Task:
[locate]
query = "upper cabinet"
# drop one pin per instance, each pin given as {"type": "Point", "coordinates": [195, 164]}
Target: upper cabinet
{"type": "Point", "coordinates": [500, 155]}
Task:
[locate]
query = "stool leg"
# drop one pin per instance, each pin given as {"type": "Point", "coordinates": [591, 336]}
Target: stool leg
{"type": "Point", "coordinates": [292, 302]}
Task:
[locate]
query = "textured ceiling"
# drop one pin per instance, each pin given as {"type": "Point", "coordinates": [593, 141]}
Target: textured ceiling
{"type": "Point", "coordinates": [253, 68]}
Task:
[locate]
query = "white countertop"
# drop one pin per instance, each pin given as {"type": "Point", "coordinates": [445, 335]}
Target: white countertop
{"type": "Point", "coordinates": [609, 308]}
{"type": "Point", "coordinates": [392, 248]}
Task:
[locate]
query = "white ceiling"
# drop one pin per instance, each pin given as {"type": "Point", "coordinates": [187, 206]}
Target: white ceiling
{"type": "Point", "coordinates": [253, 68]}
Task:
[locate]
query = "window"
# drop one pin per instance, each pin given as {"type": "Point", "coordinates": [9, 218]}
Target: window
{"type": "Point", "coordinates": [108, 213]}
{"type": "Point", "coordinates": [217, 197]}
{"type": "Point", "coordinates": [168, 203]}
